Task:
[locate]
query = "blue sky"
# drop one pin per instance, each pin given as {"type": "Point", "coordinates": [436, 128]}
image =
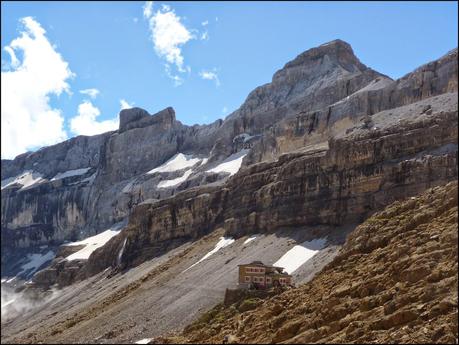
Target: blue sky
{"type": "Point", "coordinates": [217, 51]}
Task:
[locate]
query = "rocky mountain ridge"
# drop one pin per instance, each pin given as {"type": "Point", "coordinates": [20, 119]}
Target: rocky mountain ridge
{"type": "Point", "coordinates": [119, 160]}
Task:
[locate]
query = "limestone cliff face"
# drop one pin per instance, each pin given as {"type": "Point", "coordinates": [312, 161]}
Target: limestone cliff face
{"type": "Point", "coordinates": [329, 141]}
{"type": "Point", "coordinates": [315, 79]}
{"type": "Point", "coordinates": [344, 183]}
{"type": "Point", "coordinates": [310, 126]}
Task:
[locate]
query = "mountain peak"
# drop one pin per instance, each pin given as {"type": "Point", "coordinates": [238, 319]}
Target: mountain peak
{"type": "Point", "coordinates": [138, 118]}
{"type": "Point", "coordinates": [334, 53]}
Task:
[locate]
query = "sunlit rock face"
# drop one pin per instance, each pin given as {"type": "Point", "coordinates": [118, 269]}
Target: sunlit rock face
{"type": "Point", "coordinates": [328, 141]}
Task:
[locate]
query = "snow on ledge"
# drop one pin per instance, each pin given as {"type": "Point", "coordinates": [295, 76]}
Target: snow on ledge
{"type": "Point", "coordinates": [222, 243]}
{"type": "Point", "coordinates": [91, 244]}
{"type": "Point", "coordinates": [35, 261]}
{"type": "Point", "coordinates": [232, 164]}
{"type": "Point", "coordinates": [175, 181]}
{"type": "Point", "coordinates": [69, 173]}
{"type": "Point", "coordinates": [299, 254]}
{"type": "Point", "coordinates": [177, 162]}
{"type": "Point", "coordinates": [26, 179]}
{"type": "Point", "coordinates": [143, 341]}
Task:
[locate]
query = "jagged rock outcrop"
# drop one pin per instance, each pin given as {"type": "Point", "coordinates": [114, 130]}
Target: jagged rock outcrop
{"type": "Point", "coordinates": [395, 280]}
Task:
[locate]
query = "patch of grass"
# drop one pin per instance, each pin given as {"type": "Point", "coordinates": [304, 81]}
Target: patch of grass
{"type": "Point", "coordinates": [249, 304]}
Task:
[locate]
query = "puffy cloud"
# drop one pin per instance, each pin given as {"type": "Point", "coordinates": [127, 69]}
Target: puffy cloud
{"type": "Point", "coordinates": [148, 9]}
{"type": "Point", "coordinates": [85, 123]}
{"type": "Point", "coordinates": [204, 23]}
{"type": "Point", "coordinates": [168, 35]}
{"type": "Point", "coordinates": [125, 105]}
{"type": "Point", "coordinates": [27, 119]}
{"type": "Point", "coordinates": [210, 75]}
{"type": "Point", "coordinates": [90, 92]}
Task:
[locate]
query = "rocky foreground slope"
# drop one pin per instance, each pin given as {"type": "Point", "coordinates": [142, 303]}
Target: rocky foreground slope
{"type": "Point", "coordinates": [394, 281]}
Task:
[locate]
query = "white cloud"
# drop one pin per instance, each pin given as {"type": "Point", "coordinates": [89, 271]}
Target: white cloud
{"type": "Point", "coordinates": [168, 34]}
{"type": "Point", "coordinates": [14, 59]}
{"type": "Point", "coordinates": [210, 75]}
{"type": "Point", "coordinates": [204, 23]}
{"type": "Point", "coordinates": [204, 36]}
{"type": "Point", "coordinates": [85, 122]}
{"type": "Point", "coordinates": [135, 19]}
{"type": "Point", "coordinates": [125, 105]}
{"type": "Point", "coordinates": [225, 110]}
{"type": "Point", "coordinates": [176, 78]}
{"type": "Point", "coordinates": [148, 9]}
{"type": "Point", "coordinates": [27, 119]}
{"type": "Point", "coordinates": [90, 92]}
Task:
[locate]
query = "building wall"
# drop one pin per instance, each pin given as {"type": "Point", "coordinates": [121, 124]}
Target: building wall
{"type": "Point", "coordinates": [257, 274]}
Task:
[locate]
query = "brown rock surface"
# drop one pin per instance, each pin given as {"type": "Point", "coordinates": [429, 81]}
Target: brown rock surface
{"type": "Point", "coordinates": [341, 183]}
{"type": "Point", "coordinates": [394, 281]}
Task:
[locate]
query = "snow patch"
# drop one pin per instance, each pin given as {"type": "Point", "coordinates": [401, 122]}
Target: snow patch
{"type": "Point", "coordinates": [143, 341]}
{"type": "Point", "coordinates": [250, 239]}
{"type": "Point", "coordinates": [222, 243]}
{"type": "Point", "coordinates": [120, 254]}
{"type": "Point", "coordinates": [26, 179]}
{"type": "Point", "coordinates": [175, 181]}
{"type": "Point", "coordinates": [69, 173]}
{"type": "Point", "coordinates": [35, 261]}
{"type": "Point", "coordinates": [91, 244]}
{"type": "Point", "coordinates": [177, 162]}
{"type": "Point", "coordinates": [299, 254]}
{"type": "Point", "coordinates": [232, 164]}
{"type": "Point", "coordinates": [245, 136]}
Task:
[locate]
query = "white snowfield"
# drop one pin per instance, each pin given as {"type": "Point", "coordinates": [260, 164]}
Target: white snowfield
{"type": "Point", "coordinates": [222, 243]}
{"type": "Point", "coordinates": [70, 173]}
{"type": "Point", "coordinates": [299, 254]}
{"type": "Point", "coordinates": [143, 341]}
{"type": "Point", "coordinates": [27, 178]}
{"type": "Point", "coordinates": [35, 261]}
{"type": "Point", "coordinates": [232, 164]}
{"type": "Point", "coordinates": [91, 244]}
{"type": "Point", "coordinates": [177, 162]}
{"type": "Point", "coordinates": [175, 181]}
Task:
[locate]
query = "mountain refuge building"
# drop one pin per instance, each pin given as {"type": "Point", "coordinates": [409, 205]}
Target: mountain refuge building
{"type": "Point", "coordinates": [261, 276]}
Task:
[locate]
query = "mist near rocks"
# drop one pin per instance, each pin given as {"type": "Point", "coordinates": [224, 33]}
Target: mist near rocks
{"type": "Point", "coordinates": [15, 303]}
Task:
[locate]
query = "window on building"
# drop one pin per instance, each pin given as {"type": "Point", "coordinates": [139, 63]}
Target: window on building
{"type": "Point", "coordinates": [247, 279]}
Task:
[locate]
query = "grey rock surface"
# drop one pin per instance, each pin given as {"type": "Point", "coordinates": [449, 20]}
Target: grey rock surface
{"type": "Point", "coordinates": [323, 93]}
